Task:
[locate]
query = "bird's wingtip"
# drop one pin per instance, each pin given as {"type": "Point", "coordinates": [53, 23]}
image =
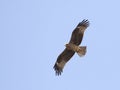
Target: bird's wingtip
{"type": "Point", "coordinates": [57, 69]}
{"type": "Point", "coordinates": [85, 22]}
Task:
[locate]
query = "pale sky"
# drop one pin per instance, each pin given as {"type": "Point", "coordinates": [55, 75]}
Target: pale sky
{"type": "Point", "coordinates": [33, 33]}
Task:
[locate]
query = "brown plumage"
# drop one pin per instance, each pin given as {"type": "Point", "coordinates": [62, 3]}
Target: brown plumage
{"type": "Point", "coordinates": [72, 47]}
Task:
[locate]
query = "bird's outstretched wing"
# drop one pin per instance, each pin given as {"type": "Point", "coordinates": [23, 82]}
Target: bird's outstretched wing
{"type": "Point", "coordinates": [62, 59]}
{"type": "Point", "coordinates": [78, 32]}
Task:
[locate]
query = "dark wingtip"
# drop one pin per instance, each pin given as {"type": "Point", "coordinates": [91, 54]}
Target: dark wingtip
{"type": "Point", "coordinates": [85, 23]}
{"type": "Point", "coordinates": [57, 69]}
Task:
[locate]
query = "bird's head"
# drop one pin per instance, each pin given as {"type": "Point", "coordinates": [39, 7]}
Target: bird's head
{"type": "Point", "coordinates": [66, 45]}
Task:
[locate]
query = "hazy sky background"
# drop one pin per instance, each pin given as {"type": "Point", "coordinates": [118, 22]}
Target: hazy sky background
{"type": "Point", "coordinates": [33, 33]}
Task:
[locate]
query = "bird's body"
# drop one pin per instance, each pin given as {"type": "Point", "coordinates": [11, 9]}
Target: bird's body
{"type": "Point", "coordinates": [80, 50]}
{"type": "Point", "coordinates": [72, 47]}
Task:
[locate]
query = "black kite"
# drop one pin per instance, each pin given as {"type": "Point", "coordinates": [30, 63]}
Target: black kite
{"type": "Point", "coordinates": [72, 47]}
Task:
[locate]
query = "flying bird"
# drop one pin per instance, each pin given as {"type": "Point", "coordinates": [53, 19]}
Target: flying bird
{"type": "Point", "coordinates": [72, 47]}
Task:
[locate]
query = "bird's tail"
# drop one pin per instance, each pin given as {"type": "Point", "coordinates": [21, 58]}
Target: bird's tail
{"type": "Point", "coordinates": [81, 51]}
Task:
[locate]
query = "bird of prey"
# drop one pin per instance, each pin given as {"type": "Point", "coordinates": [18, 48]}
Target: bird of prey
{"type": "Point", "coordinates": [72, 47]}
